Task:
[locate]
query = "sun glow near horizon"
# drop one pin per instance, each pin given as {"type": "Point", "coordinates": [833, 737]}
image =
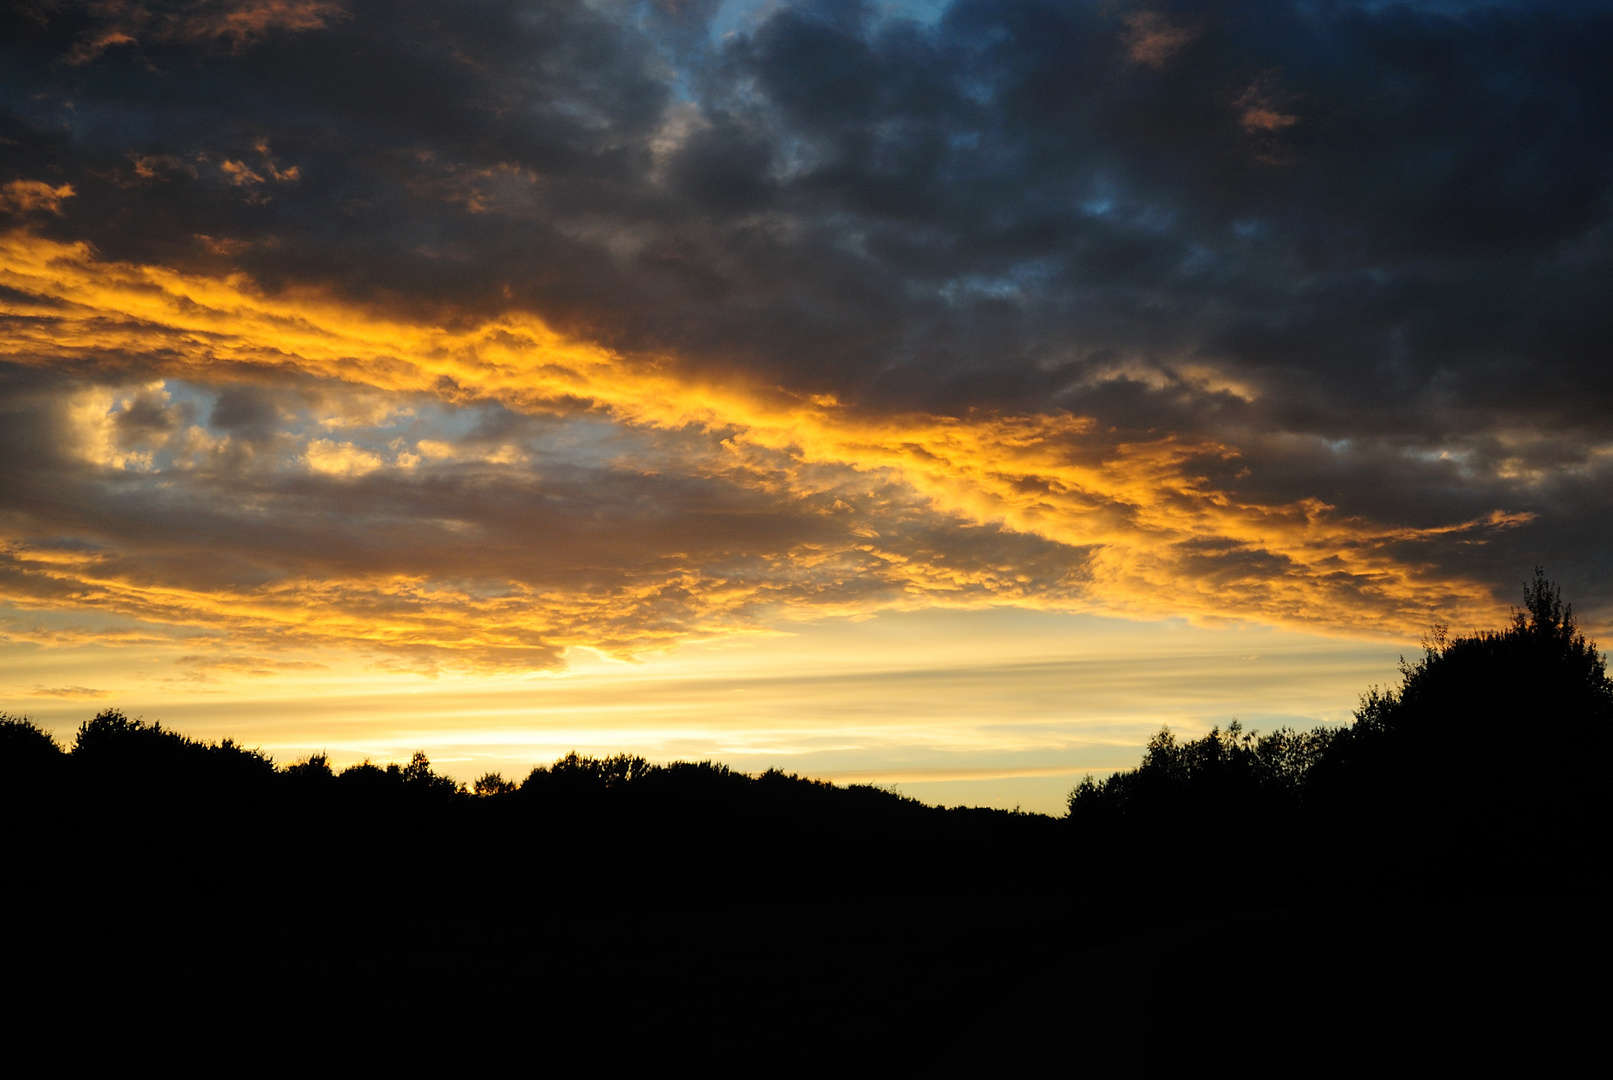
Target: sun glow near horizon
{"type": "Point", "coordinates": [997, 707]}
{"type": "Point", "coordinates": [470, 652]}
{"type": "Point", "coordinates": [631, 377]}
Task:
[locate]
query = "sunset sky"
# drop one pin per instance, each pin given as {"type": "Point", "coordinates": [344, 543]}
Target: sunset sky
{"type": "Point", "coordinates": [940, 395]}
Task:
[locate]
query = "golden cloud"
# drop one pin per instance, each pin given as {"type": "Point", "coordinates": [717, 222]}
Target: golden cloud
{"type": "Point", "coordinates": [28, 196]}
{"type": "Point", "coordinates": [1148, 531]}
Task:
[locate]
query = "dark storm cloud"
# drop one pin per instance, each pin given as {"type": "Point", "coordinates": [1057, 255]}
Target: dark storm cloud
{"type": "Point", "coordinates": [1366, 244]}
{"type": "Point", "coordinates": [985, 198]}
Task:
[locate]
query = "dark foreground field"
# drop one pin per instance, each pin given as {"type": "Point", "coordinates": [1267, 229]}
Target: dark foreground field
{"type": "Point", "coordinates": [983, 986]}
{"type": "Point", "coordinates": [1423, 889]}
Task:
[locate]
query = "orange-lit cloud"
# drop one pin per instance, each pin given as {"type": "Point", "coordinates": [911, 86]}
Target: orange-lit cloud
{"type": "Point", "coordinates": [232, 22]}
{"type": "Point", "coordinates": [1152, 39]}
{"type": "Point", "coordinates": [1260, 110]}
{"type": "Point", "coordinates": [1144, 529]}
{"type": "Point", "coordinates": [29, 196]}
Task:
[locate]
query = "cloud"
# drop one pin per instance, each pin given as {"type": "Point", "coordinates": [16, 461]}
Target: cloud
{"type": "Point", "coordinates": [29, 196]}
{"type": "Point", "coordinates": [1228, 314]}
{"type": "Point", "coordinates": [235, 23]}
{"type": "Point", "coordinates": [1144, 531]}
{"type": "Point", "coordinates": [1151, 39]}
{"type": "Point", "coordinates": [340, 459]}
{"type": "Point", "coordinates": [76, 693]}
{"type": "Point", "coordinates": [471, 559]}
{"type": "Point", "coordinates": [206, 668]}
{"type": "Point", "coordinates": [1258, 113]}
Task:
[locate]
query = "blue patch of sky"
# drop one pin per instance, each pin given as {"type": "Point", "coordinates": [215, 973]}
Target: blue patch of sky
{"type": "Point", "coordinates": [739, 17]}
{"type": "Point", "coordinates": [589, 442]}
{"type": "Point", "coordinates": [735, 19]}
{"type": "Point", "coordinates": [585, 442]}
{"type": "Point", "coordinates": [1021, 279]}
{"type": "Point", "coordinates": [923, 12]}
{"type": "Point", "coordinates": [181, 393]}
{"type": "Point", "coordinates": [1106, 202]}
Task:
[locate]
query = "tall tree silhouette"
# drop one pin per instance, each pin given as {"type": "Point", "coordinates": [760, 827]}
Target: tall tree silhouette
{"type": "Point", "coordinates": [1488, 762]}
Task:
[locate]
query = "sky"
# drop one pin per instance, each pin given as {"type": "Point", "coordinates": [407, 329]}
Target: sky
{"type": "Point", "coordinates": [940, 395]}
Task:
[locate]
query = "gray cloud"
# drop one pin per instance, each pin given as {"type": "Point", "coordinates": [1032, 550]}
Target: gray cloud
{"type": "Point", "coordinates": [1367, 245]}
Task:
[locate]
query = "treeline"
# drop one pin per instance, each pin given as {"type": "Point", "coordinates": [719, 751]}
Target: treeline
{"type": "Point", "coordinates": [1486, 769]}
{"type": "Point", "coordinates": [136, 809]}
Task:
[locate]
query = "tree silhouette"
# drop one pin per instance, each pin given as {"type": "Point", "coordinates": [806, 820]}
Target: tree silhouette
{"type": "Point", "coordinates": [1456, 774]}
{"type": "Point", "coordinates": [24, 743]}
{"type": "Point", "coordinates": [494, 784]}
{"type": "Point", "coordinates": [31, 762]}
{"type": "Point", "coordinates": [1441, 779]}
